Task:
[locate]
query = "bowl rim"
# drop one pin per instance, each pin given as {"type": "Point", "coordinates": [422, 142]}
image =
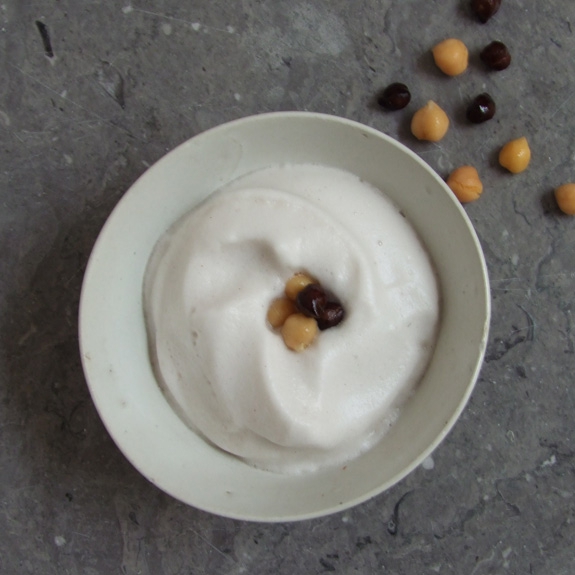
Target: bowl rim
{"type": "Point", "coordinates": [86, 302]}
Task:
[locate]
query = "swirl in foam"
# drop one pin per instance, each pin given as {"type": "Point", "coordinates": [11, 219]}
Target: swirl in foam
{"type": "Point", "coordinates": [230, 377]}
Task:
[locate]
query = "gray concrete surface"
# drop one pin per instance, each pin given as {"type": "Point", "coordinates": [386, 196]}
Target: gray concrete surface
{"type": "Point", "coordinates": [126, 81]}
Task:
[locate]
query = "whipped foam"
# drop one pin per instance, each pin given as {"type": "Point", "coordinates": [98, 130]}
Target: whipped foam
{"type": "Point", "coordinates": [230, 377]}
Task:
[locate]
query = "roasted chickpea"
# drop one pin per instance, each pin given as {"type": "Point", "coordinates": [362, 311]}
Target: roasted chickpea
{"type": "Point", "coordinates": [299, 331]}
{"type": "Point", "coordinates": [395, 97]}
{"type": "Point", "coordinates": [296, 283]}
{"type": "Point", "coordinates": [430, 123]}
{"type": "Point", "coordinates": [515, 155]}
{"type": "Point", "coordinates": [451, 56]}
{"type": "Point", "coordinates": [321, 304]}
{"type": "Point", "coordinates": [481, 109]}
{"type": "Point", "coordinates": [496, 56]}
{"type": "Point", "coordinates": [565, 196]}
{"type": "Point", "coordinates": [280, 309]}
{"type": "Point", "coordinates": [465, 184]}
{"type": "Point", "coordinates": [485, 9]}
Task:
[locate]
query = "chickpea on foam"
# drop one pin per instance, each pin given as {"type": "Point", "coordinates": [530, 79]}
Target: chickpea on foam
{"type": "Point", "coordinates": [220, 363]}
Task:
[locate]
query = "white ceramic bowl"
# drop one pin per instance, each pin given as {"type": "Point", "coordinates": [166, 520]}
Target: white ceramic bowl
{"type": "Point", "coordinates": [113, 335]}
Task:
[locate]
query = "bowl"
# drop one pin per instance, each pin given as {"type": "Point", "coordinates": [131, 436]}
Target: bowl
{"type": "Point", "coordinates": [113, 339]}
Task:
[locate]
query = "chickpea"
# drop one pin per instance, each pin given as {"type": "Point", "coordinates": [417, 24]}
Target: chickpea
{"type": "Point", "coordinates": [280, 309]}
{"type": "Point", "coordinates": [465, 184]}
{"type": "Point", "coordinates": [299, 331]}
{"type": "Point", "coordinates": [430, 123]}
{"type": "Point", "coordinates": [451, 56]}
{"type": "Point", "coordinates": [515, 155]}
{"type": "Point", "coordinates": [296, 283]}
{"type": "Point", "coordinates": [565, 196]}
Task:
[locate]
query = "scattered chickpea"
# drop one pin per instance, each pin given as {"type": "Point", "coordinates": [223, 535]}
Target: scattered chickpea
{"type": "Point", "coordinates": [465, 184]}
{"type": "Point", "coordinates": [565, 196]}
{"type": "Point", "coordinates": [430, 123]}
{"type": "Point", "coordinates": [451, 56]}
{"type": "Point", "coordinates": [515, 155]}
{"type": "Point", "coordinates": [299, 331]}
{"type": "Point", "coordinates": [279, 310]}
{"type": "Point", "coordinates": [296, 283]}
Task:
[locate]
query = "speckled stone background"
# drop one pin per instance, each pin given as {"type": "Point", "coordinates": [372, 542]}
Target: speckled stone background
{"type": "Point", "coordinates": [120, 84]}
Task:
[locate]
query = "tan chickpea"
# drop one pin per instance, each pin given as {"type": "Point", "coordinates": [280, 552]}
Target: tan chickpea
{"type": "Point", "coordinates": [465, 184]}
{"type": "Point", "coordinates": [430, 123]}
{"type": "Point", "coordinates": [565, 196]}
{"type": "Point", "coordinates": [296, 283]}
{"type": "Point", "coordinates": [451, 56]}
{"type": "Point", "coordinates": [299, 331]}
{"type": "Point", "coordinates": [515, 155]}
{"type": "Point", "coordinates": [280, 309]}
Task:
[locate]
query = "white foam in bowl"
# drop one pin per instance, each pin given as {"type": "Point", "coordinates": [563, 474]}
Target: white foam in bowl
{"type": "Point", "coordinates": [113, 338]}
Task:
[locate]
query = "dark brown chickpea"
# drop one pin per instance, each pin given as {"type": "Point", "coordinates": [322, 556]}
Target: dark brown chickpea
{"type": "Point", "coordinates": [395, 97]}
{"type": "Point", "coordinates": [481, 109]}
{"type": "Point", "coordinates": [485, 9]}
{"type": "Point", "coordinates": [311, 300]}
{"type": "Point", "coordinates": [496, 56]}
{"type": "Point", "coordinates": [331, 316]}
{"type": "Point", "coordinates": [322, 305]}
